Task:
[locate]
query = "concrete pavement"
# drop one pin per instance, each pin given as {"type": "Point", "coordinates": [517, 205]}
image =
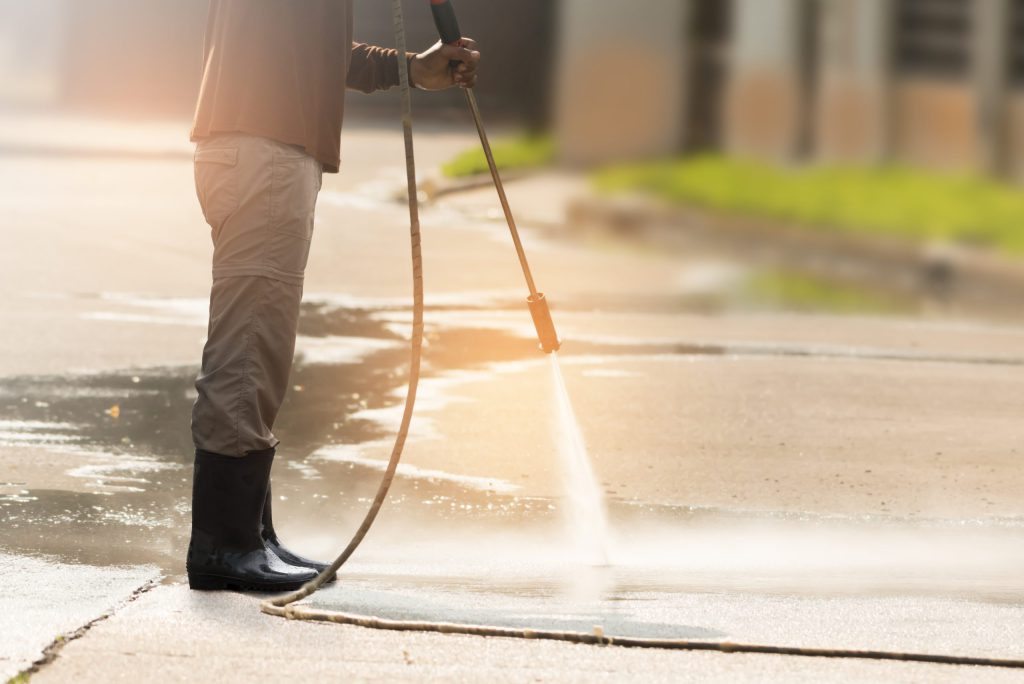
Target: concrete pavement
{"type": "Point", "coordinates": [222, 637]}
{"type": "Point", "coordinates": [771, 476]}
{"type": "Point", "coordinates": [45, 599]}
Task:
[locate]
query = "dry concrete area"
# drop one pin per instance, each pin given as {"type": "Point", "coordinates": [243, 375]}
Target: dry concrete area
{"type": "Point", "coordinates": [769, 476]}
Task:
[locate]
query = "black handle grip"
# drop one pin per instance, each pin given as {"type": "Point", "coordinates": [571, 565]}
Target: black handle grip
{"type": "Point", "coordinates": [444, 19]}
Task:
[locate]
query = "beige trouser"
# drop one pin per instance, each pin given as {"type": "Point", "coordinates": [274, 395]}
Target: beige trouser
{"type": "Point", "coordinates": [258, 196]}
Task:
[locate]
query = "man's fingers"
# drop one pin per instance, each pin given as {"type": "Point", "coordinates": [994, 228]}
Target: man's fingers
{"type": "Point", "coordinates": [463, 58]}
{"type": "Point", "coordinates": [465, 75]}
{"type": "Point", "coordinates": [460, 54]}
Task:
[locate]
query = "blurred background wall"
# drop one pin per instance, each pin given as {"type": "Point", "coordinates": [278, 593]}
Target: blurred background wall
{"type": "Point", "coordinates": [621, 78]}
{"type": "Point", "coordinates": [144, 57]}
{"type": "Point", "coordinates": [140, 57]}
{"type": "Point", "coordinates": [934, 83]}
{"type": "Point", "coordinates": [32, 42]}
{"type": "Point", "coordinates": [518, 40]}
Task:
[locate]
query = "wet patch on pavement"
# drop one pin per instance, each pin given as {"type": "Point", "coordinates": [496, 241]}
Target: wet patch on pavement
{"type": "Point", "coordinates": [885, 623]}
{"type": "Point", "coordinates": [124, 439]}
{"type": "Point", "coordinates": [516, 607]}
{"type": "Point", "coordinates": [450, 546]}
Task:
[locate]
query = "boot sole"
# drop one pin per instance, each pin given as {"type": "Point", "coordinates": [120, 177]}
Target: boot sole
{"type": "Point", "coordinates": [217, 583]}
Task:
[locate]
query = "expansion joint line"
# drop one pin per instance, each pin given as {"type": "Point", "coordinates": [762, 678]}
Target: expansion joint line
{"type": "Point", "coordinates": [598, 638]}
{"type": "Point", "coordinates": [51, 652]}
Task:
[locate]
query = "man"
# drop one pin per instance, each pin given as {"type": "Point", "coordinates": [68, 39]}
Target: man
{"type": "Point", "coordinates": [267, 125]}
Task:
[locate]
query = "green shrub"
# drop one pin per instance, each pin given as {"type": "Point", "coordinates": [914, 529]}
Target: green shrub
{"type": "Point", "coordinates": [893, 201]}
{"type": "Point", "coordinates": [799, 292]}
{"type": "Point", "coordinates": [519, 153]}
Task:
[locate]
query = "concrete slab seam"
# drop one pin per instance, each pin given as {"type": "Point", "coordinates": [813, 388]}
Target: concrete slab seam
{"type": "Point", "coordinates": [52, 651]}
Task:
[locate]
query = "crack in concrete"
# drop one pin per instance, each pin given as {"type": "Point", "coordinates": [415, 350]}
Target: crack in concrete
{"type": "Point", "coordinates": [52, 651]}
{"type": "Point", "coordinates": [855, 353]}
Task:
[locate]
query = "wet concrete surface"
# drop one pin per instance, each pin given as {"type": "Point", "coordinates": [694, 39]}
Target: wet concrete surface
{"type": "Point", "coordinates": [478, 538]}
{"type": "Point", "coordinates": [836, 481]}
{"type": "Point", "coordinates": [127, 453]}
{"type": "Point", "coordinates": [925, 625]}
{"type": "Point", "coordinates": [124, 437]}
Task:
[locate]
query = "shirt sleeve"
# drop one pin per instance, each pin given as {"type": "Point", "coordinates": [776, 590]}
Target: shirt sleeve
{"type": "Point", "coordinates": [373, 68]}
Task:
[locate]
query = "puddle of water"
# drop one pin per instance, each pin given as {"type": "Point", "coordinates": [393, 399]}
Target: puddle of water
{"type": "Point", "coordinates": [125, 437]}
{"type": "Point", "coordinates": [24, 496]}
{"type": "Point", "coordinates": [191, 312]}
{"type": "Point", "coordinates": [15, 433]}
{"type": "Point", "coordinates": [344, 453]}
{"type": "Point", "coordinates": [335, 349]}
{"type": "Point", "coordinates": [110, 472]}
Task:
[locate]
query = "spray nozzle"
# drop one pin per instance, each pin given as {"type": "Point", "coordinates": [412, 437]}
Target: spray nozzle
{"type": "Point", "coordinates": [546, 332]}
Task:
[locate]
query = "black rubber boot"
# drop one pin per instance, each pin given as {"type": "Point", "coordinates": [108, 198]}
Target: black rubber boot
{"type": "Point", "coordinates": [226, 550]}
{"type": "Point", "coordinates": [273, 543]}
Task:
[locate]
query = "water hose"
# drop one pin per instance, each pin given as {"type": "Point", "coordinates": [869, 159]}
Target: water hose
{"type": "Point", "coordinates": [277, 605]}
{"type": "Point", "coordinates": [284, 606]}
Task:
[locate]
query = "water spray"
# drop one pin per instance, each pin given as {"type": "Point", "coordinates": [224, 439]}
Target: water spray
{"type": "Point", "coordinates": [584, 499]}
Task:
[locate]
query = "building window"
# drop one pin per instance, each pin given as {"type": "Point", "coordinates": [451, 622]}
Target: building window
{"type": "Point", "coordinates": [932, 37]}
{"type": "Point", "coordinates": [1015, 42]}
{"type": "Point", "coordinates": [708, 32]}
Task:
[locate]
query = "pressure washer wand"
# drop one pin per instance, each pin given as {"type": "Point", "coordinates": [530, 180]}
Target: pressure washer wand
{"type": "Point", "coordinates": [448, 28]}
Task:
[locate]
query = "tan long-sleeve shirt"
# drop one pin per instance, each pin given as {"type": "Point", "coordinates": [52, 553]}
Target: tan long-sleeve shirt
{"type": "Point", "coordinates": [279, 69]}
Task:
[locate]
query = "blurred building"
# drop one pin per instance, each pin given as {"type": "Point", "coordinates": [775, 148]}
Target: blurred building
{"type": "Point", "coordinates": [936, 83]}
{"type": "Point", "coordinates": [518, 40]}
{"type": "Point", "coordinates": [131, 57]}
{"type": "Point", "coordinates": [144, 57]}
{"type": "Point", "coordinates": [31, 50]}
{"type": "Point", "coordinates": [110, 57]}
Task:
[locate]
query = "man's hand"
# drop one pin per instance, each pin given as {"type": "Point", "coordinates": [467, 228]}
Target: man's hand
{"type": "Point", "coordinates": [432, 70]}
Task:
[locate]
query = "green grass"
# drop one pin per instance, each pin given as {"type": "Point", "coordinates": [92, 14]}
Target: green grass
{"type": "Point", "coordinates": [526, 152]}
{"type": "Point", "coordinates": [891, 201]}
{"type": "Point", "coordinates": [798, 292]}
{"type": "Point", "coordinates": [20, 678]}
